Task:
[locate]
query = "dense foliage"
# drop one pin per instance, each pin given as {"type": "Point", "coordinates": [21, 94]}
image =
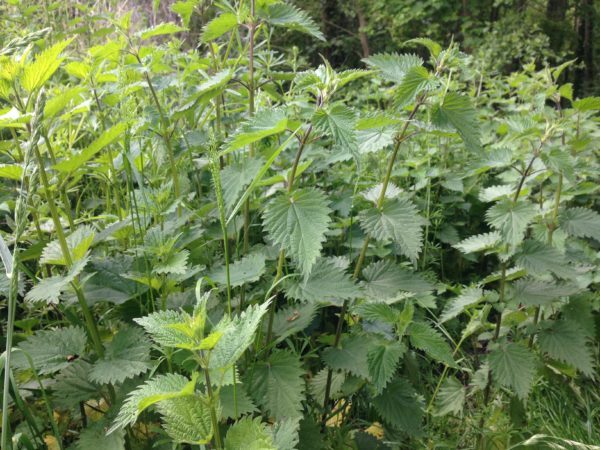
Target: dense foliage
{"type": "Point", "coordinates": [210, 243]}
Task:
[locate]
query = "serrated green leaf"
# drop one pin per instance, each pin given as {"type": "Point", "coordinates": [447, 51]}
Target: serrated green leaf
{"type": "Point", "coordinates": [49, 289]}
{"type": "Point", "coordinates": [565, 341]}
{"type": "Point", "coordinates": [457, 305]}
{"type": "Point", "coordinates": [511, 219]}
{"type": "Point", "coordinates": [384, 281]}
{"type": "Point", "coordinates": [278, 385]}
{"type": "Point", "coordinates": [266, 123]}
{"type": "Point", "coordinates": [235, 177]}
{"type": "Point", "coordinates": [318, 383]}
{"type": "Point", "coordinates": [78, 243]}
{"type": "Point", "coordinates": [378, 312]}
{"type": "Point", "coordinates": [293, 319]}
{"type": "Point", "coordinates": [456, 111]}
{"type": "Point", "coordinates": [399, 406]}
{"type": "Point", "coordinates": [75, 161]}
{"type": "Point", "coordinates": [431, 341]}
{"type": "Point", "coordinates": [187, 419]}
{"type": "Point", "coordinates": [159, 388]}
{"type": "Point", "coordinates": [127, 355]}
{"type": "Point", "coordinates": [285, 434]}
{"type": "Point", "coordinates": [350, 356]}
{"type": "Point", "coordinates": [297, 223]}
{"type": "Point", "coordinates": [50, 350]}
{"type": "Point", "coordinates": [247, 270]}
{"type": "Point", "coordinates": [231, 403]}
{"type": "Point", "coordinates": [587, 104]}
{"type": "Point", "coordinates": [218, 26]}
{"type": "Point", "coordinates": [35, 74]}
{"type": "Point", "coordinates": [161, 326]}
{"type": "Point", "coordinates": [382, 361]}
{"type": "Point", "coordinates": [450, 398]}
{"type": "Point", "coordinates": [95, 437]}
{"type": "Point", "coordinates": [531, 292]}
{"type": "Point", "coordinates": [327, 283]}
{"type": "Point", "coordinates": [416, 80]}
{"type": "Point", "coordinates": [237, 337]}
{"type": "Point", "coordinates": [479, 242]}
{"type": "Point", "coordinates": [73, 385]}
{"type": "Point", "coordinates": [161, 29]}
{"type": "Point", "coordinates": [433, 47]}
{"type": "Point", "coordinates": [338, 121]}
{"type": "Point", "coordinates": [393, 67]}
{"type": "Point", "coordinates": [539, 259]}
{"type": "Point", "coordinates": [398, 220]}
{"type": "Point", "coordinates": [581, 222]}
{"type": "Point", "coordinates": [289, 16]}
{"type": "Point", "coordinates": [249, 434]}
{"type": "Point", "coordinates": [513, 366]}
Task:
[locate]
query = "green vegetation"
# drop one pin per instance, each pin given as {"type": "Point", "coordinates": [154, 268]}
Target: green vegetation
{"type": "Point", "coordinates": [213, 238]}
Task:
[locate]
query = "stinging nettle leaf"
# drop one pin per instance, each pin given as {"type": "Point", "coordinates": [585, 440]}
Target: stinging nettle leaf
{"type": "Point", "coordinates": [264, 124]}
{"type": "Point", "coordinates": [218, 26]}
{"type": "Point", "coordinates": [247, 270]}
{"type": "Point", "coordinates": [393, 66]}
{"type": "Point", "coordinates": [513, 366]}
{"type": "Point", "coordinates": [581, 222]}
{"type": "Point", "coordinates": [398, 221]}
{"type": "Point", "coordinates": [297, 223]}
{"type": "Point", "coordinates": [400, 406]}
{"type": "Point", "coordinates": [479, 242]}
{"type": "Point", "coordinates": [565, 341]}
{"type": "Point", "coordinates": [468, 297]}
{"type": "Point", "coordinates": [382, 361]}
{"type": "Point", "coordinates": [431, 341]}
{"type": "Point", "coordinates": [511, 219]}
{"type": "Point", "coordinates": [456, 111]}
{"type": "Point", "coordinates": [289, 16]}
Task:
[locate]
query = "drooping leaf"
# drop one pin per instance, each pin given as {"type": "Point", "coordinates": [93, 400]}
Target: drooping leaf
{"type": "Point", "coordinates": [450, 398]}
{"type": "Point", "coordinates": [127, 355]}
{"type": "Point", "coordinates": [567, 342]}
{"type": "Point", "coordinates": [455, 306]}
{"type": "Point", "coordinates": [539, 259]}
{"type": "Point", "coordinates": [297, 223]}
{"type": "Point", "coordinates": [350, 356]}
{"type": "Point", "coordinates": [511, 219]}
{"type": "Point", "coordinates": [293, 319]}
{"type": "Point", "coordinates": [35, 74]}
{"type": "Point", "coordinates": [94, 436]}
{"type": "Point", "coordinates": [51, 350]}
{"type": "Point", "coordinates": [278, 385]}
{"type": "Point", "coordinates": [218, 26]}
{"type": "Point", "coordinates": [266, 123]}
{"type": "Point", "coordinates": [456, 111]}
{"type": "Point", "coordinates": [49, 289]}
{"type": "Point", "coordinates": [186, 419]}
{"type": "Point", "coordinates": [73, 385]}
{"type": "Point", "coordinates": [327, 283]}
{"type": "Point", "coordinates": [247, 270]}
{"type": "Point", "coordinates": [290, 17]}
{"type": "Point", "coordinates": [384, 281]}
{"type": "Point", "coordinates": [230, 402]}
{"type": "Point", "coordinates": [393, 67]}
{"type": "Point", "coordinates": [581, 222]}
{"type": "Point", "coordinates": [587, 104]}
{"type": "Point", "coordinates": [75, 161]}
{"type": "Point", "coordinates": [416, 80]}
{"type": "Point", "coordinates": [431, 341]}
{"type": "Point", "coordinates": [399, 406]}
{"type": "Point", "coordinates": [249, 434]}
{"type": "Point", "coordinates": [531, 292]}
{"type": "Point", "coordinates": [398, 220]}
{"type": "Point", "coordinates": [479, 242]}
{"type": "Point", "coordinates": [237, 337]}
{"type": "Point", "coordinates": [236, 176]}
{"type": "Point", "coordinates": [382, 361]}
{"type": "Point", "coordinates": [159, 388]}
{"type": "Point", "coordinates": [318, 384]}
{"type": "Point", "coordinates": [513, 366]}
{"type": "Point", "coordinates": [338, 121]}
{"type": "Point", "coordinates": [161, 29]}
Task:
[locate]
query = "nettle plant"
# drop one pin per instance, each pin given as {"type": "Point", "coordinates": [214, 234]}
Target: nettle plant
{"type": "Point", "coordinates": [390, 251]}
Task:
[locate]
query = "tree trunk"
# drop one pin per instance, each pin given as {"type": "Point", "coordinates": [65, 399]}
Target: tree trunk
{"type": "Point", "coordinates": [584, 28]}
{"type": "Point", "coordinates": [362, 25]}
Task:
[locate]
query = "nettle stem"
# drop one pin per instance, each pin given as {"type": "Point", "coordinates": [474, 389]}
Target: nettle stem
{"type": "Point", "coordinates": [60, 234]}
{"type": "Point", "coordinates": [213, 411]}
{"type": "Point", "coordinates": [165, 134]}
{"type": "Point", "coordinates": [400, 138]}
{"type": "Point", "coordinates": [281, 260]}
